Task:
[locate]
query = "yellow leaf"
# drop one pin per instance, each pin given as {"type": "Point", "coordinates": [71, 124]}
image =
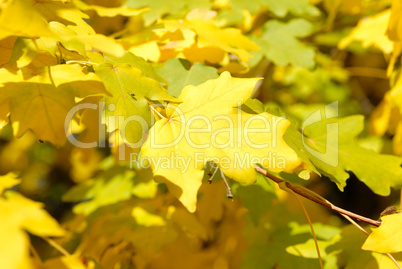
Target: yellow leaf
{"type": "Point", "coordinates": [380, 118]}
{"type": "Point", "coordinates": [20, 18]}
{"type": "Point", "coordinates": [208, 126]}
{"type": "Point", "coordinates": [80, 40]}
{"type": "Point", "coordinates": [144, 218]}
{"type": "Point", "coordinates": [14, 249]}
{"type": "Point", "coordinates": [47, 96]}
{"type": "Point", "coordinates": [109, 11]}
{"type": "Point", "coordinates": [17, 214]}
{"type": "Point", "coordinates": [372, 32]}
{"type": "Point", "coordinates": [395, 22]}
{"type": "Point", "coordinates": [7, 181]}
{"type": "Point", "coordinates": [4, 112]}
{"type": "Point", "coordinates": [6, 48]}
{"type": "Point", "coordinates": [149, 51]}
{"type": "Point", "coordinates": [388, 237]}
{"type": "Point", "coordinates": [66, 12]}
{"type": "Point", "coordinates": [397, 139]}
{"type": "Point", "coordinates": [30, 216]}
{"type": "Point", "coordinates": [229, 39]}
{"type": "Point", "coordinates": [40, 52]}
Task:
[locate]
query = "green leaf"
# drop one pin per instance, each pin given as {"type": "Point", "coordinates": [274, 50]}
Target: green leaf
{"type": "Point", "coordinates": [108, 188]}
{"type": "Point", "coordinates": [341, 154]}
{"type": "Point", "coordinates": [279, 43]}
{"type": "Point", "coordinates": [133, 83]}
{"type": "Point", "coordinates": [349, 250]}
{"type": "Point", "coordinates": [257, 198]}
{"type": "Point", "coordinates": [279, 8]}
{"type": "Point", "coordinates": [159, 8]}
{"type": "Point", "coordinates": [270, 252]}
{"type": "Point", "coordinates": [179, 73]}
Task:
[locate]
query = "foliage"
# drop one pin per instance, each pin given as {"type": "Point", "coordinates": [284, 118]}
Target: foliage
{"type": "Point", "coordinates": [114, 115]}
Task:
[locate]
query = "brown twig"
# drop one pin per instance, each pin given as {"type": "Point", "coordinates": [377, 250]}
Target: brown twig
{"type": "Point", "coordinates": [316, 199]}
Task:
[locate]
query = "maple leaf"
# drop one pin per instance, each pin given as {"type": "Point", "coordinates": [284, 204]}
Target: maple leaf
{"type": "Point", "coordinates": [109, 11]}
{"type": "Point", "coordinates": [379, 172]}
{"type": "Point", "coordinates": [179, 74]}
{"type": "Point", "coordinates": [18, 215]}
{"type": "Point", "coordinates": [109, 187]}
{"type": "Point", "coordinates": [64, 12]}
{"type": "Point", "coordinates": [214, 139]}
{"type": "Point", "coordinates": [229, 39]}
{"type": "Point", "coordinates": [394, 24]}
{"type": "Point", "coordinates": [159, 8]}
{"type": "Point", "coordinates": [198, 40]}
{"type": "Point", "coordinates": [7, 181]}
{"type": "Point", "coordinates": [388, 237]}
{"type": "Point", "coordinates": [20, 18]}
{"type": "Point", "coordinates": [133, 82]}
{"type": "Point", "coordinates": [372, 32]}
{"type": "Point", "coordinates": [41, 99]}
{"type": "Point", "coordinates": [279, 8]}
{"type": "Point", "coordinates": [6, 48]}
{"type": "Point", "coordinates": [80, 40]}
{"type": "Point", "coordinates": [279, 43]}
{"type": "Point", "coordinates": [39, 52]}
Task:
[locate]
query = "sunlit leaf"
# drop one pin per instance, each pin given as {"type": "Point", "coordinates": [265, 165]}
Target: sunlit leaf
{"type": "Point", "coordinates": [47, 96]}
{"type": "Point", "coordinates": [220, 141]}
{"type": "Point", "coordinates": [388, 237]}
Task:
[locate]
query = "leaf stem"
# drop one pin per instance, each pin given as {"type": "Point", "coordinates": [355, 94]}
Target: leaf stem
{"type": "Point", "coordinates": [229, 191]}
{"type": "Point", "coordinates": [315, 198]}
{"type": "Point", "coordinates": [210, 179]}
{"type": "Point", "coordinates": [56, 246]}
{"type": "Point", "coordinates": [156, 112]}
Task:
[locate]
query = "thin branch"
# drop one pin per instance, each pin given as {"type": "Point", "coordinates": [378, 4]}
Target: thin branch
{"type": "Point", "coordinates": [367, 72]}
{"type": "Point", "coordinates": [311, 228]}
{"type": "Point", "coordinates": [400, 201]}
{"type": "Point", "coordinates": [316, 199]}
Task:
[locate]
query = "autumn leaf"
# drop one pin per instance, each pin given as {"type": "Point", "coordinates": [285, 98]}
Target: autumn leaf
{"type": "Point", "coordinates": [371, 31]}
{"type": "Point", "coordinates": [388, 237]}
{"type": "Point", "coordinates": [133, 83]}
{"type": "Point", "coordinates": [107, 11]}
{"type": "Point", "coordinates": [279, 8]}
{"type": "Point", "coordinates": [159, 8]}
{"type": "Point", "coordinates": [8, 181]}
{"type": "Point", "coordinates": [394, 25]}
{"type": "Point", "coordinates": [20, 18]}
{"type": "Point", "coordinates": [19, 215]}
{"type": "Point", "coordinates": [80, 40]}
{"type": "Point", "coordinates": [210, 109]}
{"type": "Point", "coordinates": [108, 188]}
{"type": "Point", "coordinates": [47, 96]}
{"type": "Point", "coordinates": [179, 74]}
{"type": "Point", "coordinates": [279, 43]}
{"type": "Point", "coordinates": [336, 160]}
